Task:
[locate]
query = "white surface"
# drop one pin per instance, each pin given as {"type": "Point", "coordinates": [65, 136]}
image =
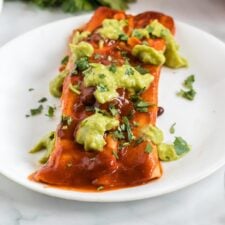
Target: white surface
{"type": "Point", "coordinates": [1, 3]}
{"type": "Point", "coordinates": [205, 112]}
{"type": "Point", "coordinates": [201, 204]}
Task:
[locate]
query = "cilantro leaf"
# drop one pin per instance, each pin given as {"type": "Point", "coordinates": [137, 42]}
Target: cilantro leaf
{"type": "Point", "coordinates": [129, 71]}
{"type": "Point", "coordinates": [148, 148]}
{"type": "Point", "coordinates": [172, 128]}
{"type": "Point", "coordinates": [117, 134]}
{"type": "Point", "coordinates": [36, 111]}
{"type": "Point", "coordinates": [188, 83]}
{"type": "Point", "coordinates": [65, 60]}
{"type": "Point", "coordinates": [130, 134]}
{"type": "Point", "coordinates": [51, 111]}
{"type": "Point", "coordinates": [82, 63]}
{"type": "Point", "coordinates": [180, 145]}
{"type": "Point", "coordinates": [189, 95]}
{"type": "Point", "coordinates": [44, 99]}
{"type": "Point", "coordinates": [141, 70]}
{"type": "Point", "coordinates": [113, 110]}
{"type": "Point", "coordinates": [112, 68]}
{"type": "Point", "coordinates": [102, 88]}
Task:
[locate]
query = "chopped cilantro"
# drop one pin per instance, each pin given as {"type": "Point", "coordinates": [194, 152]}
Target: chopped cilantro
{"type": "Point", "coordinates": [138, 140]}
{"type": "Point", "coordinates": [102, 88]}
{"type": "Point", "coordinates": [118, 134]}
{"type": "Point", "coordinates": [82, 63]}
{"type": "Point", "coordinates": [30, 89]}
{"type": "Point", "coordinates": [189, 95]}
{"type": "Point", "coordinates": [123, 37]}
{"type": "Point", "coordinates": [113, 110]}
{"type": "Point", "coordinates": [148, 148]}
{"type": "Point", "coordinates": [129, 71]}
{"type": "Point", "coordinates": [130, 135]}
{"type": "Point", "coordinates": [42, 100]}
{"type": "Point", "coordinates": [51, 111]}
{"type": "Point", "coordinates": [37, 110]}
{"type": "Point", "coordinates": [188, 84]}
{"type": "Point", "coordinates": [180, 146]}
{"type": "Point", "coordinates": [141, 106]}
{"type": "Point", "coordinates": [112, 68]}
{"type": "Point", "coordinates": [65, 60]}
{"type": "Point", "coordinates": [141, 70]}
{"type": "Point", "coordinates": [172, 128]}
{"type": "Point", "coordinates": [137, 34]}
{"type": "Point", "coordinates": [102, 111]}
{"type": "Point", "coordinates": [66, 120]}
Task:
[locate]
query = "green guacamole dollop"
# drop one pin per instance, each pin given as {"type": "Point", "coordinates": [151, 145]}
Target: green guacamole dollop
{"type": "Point", "coordinates": [55, 85]}
{"type": "Point", "coordinates": [148, 55]}
{"type": "Point", "coordinates": [112, 28]}
{"type": "Point", "coordinates": [107, 82]}
{"type": "Point", "coordinates": [91, 131]}
{"type": "Point", "coordinates": [153, 134]}
{"type": "Point", "coordinates": [81, 49]}
{"type": "Point", "coordinates": [47, 142]}
{"type": "Point", "coordinates": [166, 152]}
{"type": "Point", "coordinates": [173, 58]}
{"type": "Point", "coordinates": [79, 36]}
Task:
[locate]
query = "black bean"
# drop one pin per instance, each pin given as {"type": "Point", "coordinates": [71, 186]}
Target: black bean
{"type": "Point", "coordinates": [160, 111]}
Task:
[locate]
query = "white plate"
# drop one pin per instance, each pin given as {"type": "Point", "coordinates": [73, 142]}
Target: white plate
{"type": "Point", "coordinates": [32, 60]}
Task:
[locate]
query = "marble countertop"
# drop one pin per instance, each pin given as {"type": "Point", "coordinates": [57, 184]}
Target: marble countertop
{"type": "Point", "coordinates": [202, 203]}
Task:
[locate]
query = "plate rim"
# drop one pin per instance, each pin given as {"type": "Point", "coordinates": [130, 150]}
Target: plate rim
{"type": "Point", "coordinates": [97, 197]}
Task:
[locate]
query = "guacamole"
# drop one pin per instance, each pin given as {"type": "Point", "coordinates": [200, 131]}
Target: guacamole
{"type": "Point", "coordinates": [140, 33]}
{"type": "Point", "coordinates": [79, 36]}
{"type": "Point", "coordinates": [112, 28]}
{"type": "Point", "coordinates": [173, 59]}
{"type": "Point", "coordinates": [91, 131]}
{"type": "Point", "coordinates": [107, 81]}
{"type": "Point", "coordinates": [153, 134]}
{"type": "Point", "coordinates": [47, 142]}
{"type": "Point", "coordinates": [80, 50]}
{"type": "Point", "coordinates": [148, 55]}
{"type": "Point", "coordinates": [55, 86]}
{"type": "Point", "coordinates": [167, 152]}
